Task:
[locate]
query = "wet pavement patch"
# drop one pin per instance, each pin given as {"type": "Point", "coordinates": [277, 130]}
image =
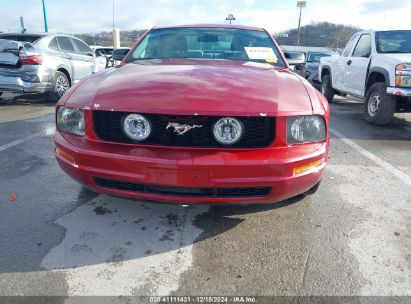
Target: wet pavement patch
{"type": "Point", "coordinates": [145, 246]}
{"type": "Point", "coordinates": [100, 210]}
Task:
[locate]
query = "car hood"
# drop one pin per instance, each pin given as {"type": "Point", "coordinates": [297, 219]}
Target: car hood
{"type": "Point", "coordinates": [400, 58]}
{"type": "Point", "coordinates": [190, 87]}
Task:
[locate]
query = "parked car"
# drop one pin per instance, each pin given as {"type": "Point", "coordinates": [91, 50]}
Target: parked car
{"type": "Point", "coordinates": [309, 70]}
{"type": "Point", "coordinates": [375, 66]}
{"type": "Point", "coordinates": [194, 115]}
{"type": "Point", "coordinates": [43, 63]}
{"type": "Point", "coordinates": [104, 56]}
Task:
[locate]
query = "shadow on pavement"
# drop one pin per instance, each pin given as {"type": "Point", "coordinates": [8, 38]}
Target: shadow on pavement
{"type": "Point", "coordinates": [347, 118]}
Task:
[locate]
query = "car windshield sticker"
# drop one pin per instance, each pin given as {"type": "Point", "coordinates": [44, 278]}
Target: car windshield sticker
{"type": "Point", "coordinates": [262, 53]}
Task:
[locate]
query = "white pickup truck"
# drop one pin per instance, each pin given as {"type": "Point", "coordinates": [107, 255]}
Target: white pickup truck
{"type": "Point", "coordinates": [375, 66]}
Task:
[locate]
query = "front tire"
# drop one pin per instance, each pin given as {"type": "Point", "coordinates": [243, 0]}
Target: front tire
{"type": "Point", "coordinates": [61, 84]}
{"type": "Point", "coordinates": [379, 107]}
{"type": "Point", "coordinates": [326, 88]}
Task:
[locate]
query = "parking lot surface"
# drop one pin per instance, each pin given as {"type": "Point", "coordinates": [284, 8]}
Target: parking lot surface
{"type": "Point", "coordinates": [351, 238]}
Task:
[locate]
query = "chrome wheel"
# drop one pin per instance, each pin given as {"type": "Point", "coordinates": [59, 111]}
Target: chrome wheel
{"type": "Point", "coordinates": [373, 104]}
{"type": "Point", "coordinates": [62, 85]}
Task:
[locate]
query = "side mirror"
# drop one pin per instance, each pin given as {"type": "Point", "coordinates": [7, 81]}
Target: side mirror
{"type": "Point", "coordinates": [294, 58]}
{"type": "Point", "coordinates": [119, 54]}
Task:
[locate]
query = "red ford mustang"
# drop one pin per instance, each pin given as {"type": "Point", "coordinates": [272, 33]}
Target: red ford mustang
{"type": "Point", "coordinates": [196, 114]}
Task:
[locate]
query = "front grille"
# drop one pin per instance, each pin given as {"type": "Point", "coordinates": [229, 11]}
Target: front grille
{"type": "Point", "coordinates": [258, 131]}
{"type": "Point", "coordinates": [182, 191]}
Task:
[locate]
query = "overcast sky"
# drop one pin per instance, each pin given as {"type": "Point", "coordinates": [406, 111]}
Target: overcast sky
{"type": "Point", "coordinates": [84, 16]}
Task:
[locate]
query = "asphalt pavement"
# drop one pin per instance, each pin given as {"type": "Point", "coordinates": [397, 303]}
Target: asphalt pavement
{"type": "Point", "coordinates": [351, 238]}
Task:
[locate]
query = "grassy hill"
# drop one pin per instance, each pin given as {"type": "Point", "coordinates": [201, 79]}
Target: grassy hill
{"type": "Point", "coordinates": [323, 34]}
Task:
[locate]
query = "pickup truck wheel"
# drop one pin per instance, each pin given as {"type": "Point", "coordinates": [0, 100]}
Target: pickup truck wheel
{"type": "Point", "coordinates": [326, 88]}
{"type": "Point", "coordinates": [60, 85]}
{"type": "Point", "coordinates": [379, 107]}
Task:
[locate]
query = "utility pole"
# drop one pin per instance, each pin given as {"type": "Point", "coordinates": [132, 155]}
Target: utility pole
{"type": "Point", "coordinates": [300, 4]}
{"type": "Point", "coordinates": [46, 28]}
{"type": "Point", "coordinates": [23, 28]}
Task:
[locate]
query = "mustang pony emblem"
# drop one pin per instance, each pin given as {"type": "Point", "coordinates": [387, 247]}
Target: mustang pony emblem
{"type": "Point", "coordinates": [181, 129]}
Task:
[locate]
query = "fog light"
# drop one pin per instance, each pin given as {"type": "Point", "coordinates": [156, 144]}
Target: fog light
{"type": "Point", "coordinates": [306, 167]}
{"type": "Point", "coordinates": [136, 127]}
{"type": "Point", "coordinates": [228, 130]}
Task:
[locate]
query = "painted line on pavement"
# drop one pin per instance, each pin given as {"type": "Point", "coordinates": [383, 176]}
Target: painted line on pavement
{"type": "Point", "coordinates": [20, 141]}
{"type": "Point", "coordinates": [383, 164]}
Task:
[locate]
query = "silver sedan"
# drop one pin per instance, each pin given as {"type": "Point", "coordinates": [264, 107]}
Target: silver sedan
{"type": "Point", "coordinates": [42, 64]}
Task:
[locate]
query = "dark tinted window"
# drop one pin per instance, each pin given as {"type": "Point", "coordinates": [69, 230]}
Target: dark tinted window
{"type": "Point", "coordinates": [104, 51]}
{"type": "Point", "coordinates": [393, 42]}
{"type": "Point", "coordinates": [349, 46]}
{"type": "Point", "coordinates": [82, 47]}
{"type": "Point", "coordinates": [315, 57]}
{"type": "Point", "coordinates": [53, 44]}
{"type": "Point", "coordinates": [65, 44]}
{"type": "Point", "coordinates": [363, 48]}
{"type": "Point", "coordinates": [99, 52]}
{"type": "Point", "coordinates": [22, 38]}
{"type": "Point", "coordinates": [294, 55]}
{"type": "Point", "coordinates": [109, 52]}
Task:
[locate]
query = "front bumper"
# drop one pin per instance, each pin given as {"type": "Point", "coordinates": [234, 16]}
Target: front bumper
{"type": "Point", "coordinates": [403, 92]}
{"type": "Point", "coordinates": [88, 160]}
{"type": "Point", "coordinates": [17, 85]}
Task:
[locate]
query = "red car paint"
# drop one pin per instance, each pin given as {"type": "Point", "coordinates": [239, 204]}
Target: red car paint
{"type": "Point", "coordinates": [191, 87]}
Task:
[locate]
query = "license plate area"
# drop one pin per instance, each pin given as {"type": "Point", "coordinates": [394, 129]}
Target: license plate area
{"type": "Point", "coordinates": [178, 177]}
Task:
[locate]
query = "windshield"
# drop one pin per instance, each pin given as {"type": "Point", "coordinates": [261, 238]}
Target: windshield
{"type": "Point", "coordinates": [393, 42]}
{"type": "Point", "coordinates": [315, 57]}
{"type": "Point", "coordinates": [208, 43]}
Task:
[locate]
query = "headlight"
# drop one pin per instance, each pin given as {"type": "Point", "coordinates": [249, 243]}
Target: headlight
{"type": "Point", "coordinates": [228, 130]}
{"type": "Point", "coordinates": [136, 127]}
{"type": "Point", "coordinates": [403, 75]}
{"type": "Point", "coordinates": [305, 129]}
{"type": "Point", "coordinates": [70, 120]}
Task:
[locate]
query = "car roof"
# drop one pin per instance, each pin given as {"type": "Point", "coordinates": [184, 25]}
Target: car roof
{"type": "Point", "coordinates": [227, 26]}
{"type": "Point", "coordinates": [321, 52]}
{"type": "Point", "coordinates": [382, 30]}
{"type": "Point", "coordinates": [96, 47]}
{"type": "Point", "coordinates": [23, 34]}
{"type": "Point", "coordinates": [20, 37]}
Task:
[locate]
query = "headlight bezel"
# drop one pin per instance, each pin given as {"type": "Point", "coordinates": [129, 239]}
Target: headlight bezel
{"type": "Point", "coordinates": [77, 127]}
{"type": "Point", "coordinates": [403, 75]}
{"type": "Point", "coordinates": [306, 139]}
